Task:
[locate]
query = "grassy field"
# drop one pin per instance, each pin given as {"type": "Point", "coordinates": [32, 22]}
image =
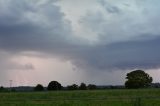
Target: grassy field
{"type": "Point", "coordinates": [141, 97]}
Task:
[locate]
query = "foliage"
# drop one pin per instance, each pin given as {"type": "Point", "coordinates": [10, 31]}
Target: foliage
{"type": "Point", "coordinates": [72, 87]}
{"type": "Point", "coordinates": [2, 89]}
{"type": "Point", "coordinates": [39, 87]}
{"type": "Point", "coordinates": [83, 86]}
{"type": "Point", "coordinates": [54, 85]}
{"type": "Point", "coordinates": [138, 79]}
{"type": "Point", "coordinates": [92, 87]}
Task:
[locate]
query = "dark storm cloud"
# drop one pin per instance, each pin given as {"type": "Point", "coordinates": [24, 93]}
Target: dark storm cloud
{"type": "Point", "coordinates": [123, 55]}
{"type": "Point", "coordinates": [42, 27]}
{"type": "Point", "coordinates": [32, 28]}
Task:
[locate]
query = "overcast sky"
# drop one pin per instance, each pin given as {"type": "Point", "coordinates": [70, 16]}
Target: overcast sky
{"type": "Point", "coordinates": [74, 41]}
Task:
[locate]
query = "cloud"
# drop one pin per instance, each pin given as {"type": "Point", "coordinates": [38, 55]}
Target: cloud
{"type": "Point", "coordinates": [110, 8]}
{"type": "Point", "coordinates": [127, 23]}
{"type": "Point", "coordinates": [122, 56]}
{"type": "Point", "coordinates": [27, 26]}
{"type": "Point", "coordinates": [126, 33]}
{"type": "Point", "coordinates": [7, 62]}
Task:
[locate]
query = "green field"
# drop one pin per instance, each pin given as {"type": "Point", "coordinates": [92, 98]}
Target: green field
{"type": "Point", "coordinates": [141, 97]}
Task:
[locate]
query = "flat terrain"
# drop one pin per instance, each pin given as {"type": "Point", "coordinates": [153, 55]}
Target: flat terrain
{"type": "Point", "coordinates": [141, 97]}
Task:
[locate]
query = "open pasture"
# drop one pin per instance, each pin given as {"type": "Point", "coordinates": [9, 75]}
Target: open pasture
{"type": "Point", "coordinates": [123, 97]}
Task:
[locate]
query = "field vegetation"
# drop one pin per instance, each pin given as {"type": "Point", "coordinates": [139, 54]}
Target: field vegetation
{"type": "Point", "coordinates": [117, 97]}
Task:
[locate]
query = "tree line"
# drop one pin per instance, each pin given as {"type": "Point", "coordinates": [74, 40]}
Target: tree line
{"type": "Point", "coordinates": [55, 85]}
{"type": "Point", "coordinates": [135, 79]}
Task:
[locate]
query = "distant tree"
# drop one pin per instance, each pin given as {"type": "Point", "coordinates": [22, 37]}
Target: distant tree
{"type": "Point", "coordinates": [72, 87]}
{"type": "Point", "coordinates": [83, 86]}
{"type": "Point", "coordinates": [39, 87]}
{"type": "Point", "coordinates": [138, 79]}
{"type": "Point", "coordinates": [155, 85]}
{"type": "Point", "coordinates": [91, 87]}
{"type": "Point", "coordinates": [1, 88]}
{"type": "Point", "coordinates": [54, 85]}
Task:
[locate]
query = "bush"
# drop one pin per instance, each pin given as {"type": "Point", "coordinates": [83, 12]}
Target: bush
{"type": "Point", "coordinates": [39, 87]}
{"type": "Point", "coordinates": [92, 87]}
{"type": "Point", "coordinates": [54, 85]}
{"type": "Point", "coordinates": [83, 86]}
{"type": "Point", "coordinates": [72, 87]}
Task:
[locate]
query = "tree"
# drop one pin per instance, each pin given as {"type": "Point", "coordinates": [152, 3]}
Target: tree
{"type": "Point", "coordinates": [138, 79]}
{"type": "Point", "coordinates": [39, 87]}
{"type": "Point", "coordinates": [72, 87]}
{"type": "Point", "coordinates": [83, 86]}
{"type": "Point", "coordinates": [1, 88]}
{"type": "Point", "coordinates": [54, 85]}
{"type": "Point", "coordinates": [91, 87]}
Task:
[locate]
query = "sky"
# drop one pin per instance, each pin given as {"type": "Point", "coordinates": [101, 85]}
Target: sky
{"type": "Point", "coordinates": [74, 41]}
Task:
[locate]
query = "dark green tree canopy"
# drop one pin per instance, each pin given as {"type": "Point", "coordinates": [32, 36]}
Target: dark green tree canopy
{"type": "Point", "coordinates": [72, 87]}
{"type": "Point", "coordinates": [39, 87]}
{"type": "Point", "coordinates": [54, 85]}
{"type": "Point", "coordinates": [83, 86]}
{"type": "Point", "coordinates": [91, 87]}
{"type": "Point", "coordinates": [138, 79]}
{"type": "Point", "coordinates": [1, 88]}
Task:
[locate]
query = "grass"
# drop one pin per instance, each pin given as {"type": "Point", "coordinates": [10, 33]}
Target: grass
{"type": "Point", "coordinates": [140, 97]}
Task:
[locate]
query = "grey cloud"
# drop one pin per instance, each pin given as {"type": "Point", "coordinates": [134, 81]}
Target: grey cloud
{"type": "Point", "coordinates": [6, 63]}
{"type": "Point", "coordinates": [27, 66]}
{"type": "Point", "coordinates": [43, 28]}
{"type": "Point", "coordinates": [136, 20]}
{"type": "Point", "coordinates": [110, 8]}
{"type": "Point", "coordinates": [122, 55]}
{"type": "Point", "coordinates": [9, 65]}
